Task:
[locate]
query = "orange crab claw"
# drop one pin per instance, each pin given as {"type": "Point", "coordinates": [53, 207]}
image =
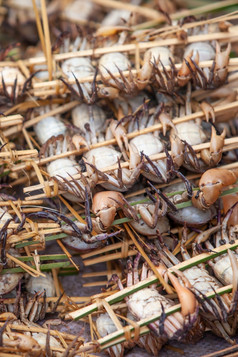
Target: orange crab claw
{"type": "Point", "coordinates": [213, 156]}
{"type": "Point", "coordinates": [186, 297]}
{"type": "Point", "coordinates": [177, 150]}
{"type": "Point", "coordinates": [221, 63]}
{"type": "Point", "coordinates": [211, 184]}
{"type": "Point", "coordinates": [166, 122]}
{"type": "Point", "coordinates": [79, 142]}
{"type": "Point", "coordinates": [184, 74]}
{"type": "Point", "coordinates": [119, 133]}
{"type": "Point", "coordinates": [208, 111]}
{"type": "Point", "coordinates": [228, 201]}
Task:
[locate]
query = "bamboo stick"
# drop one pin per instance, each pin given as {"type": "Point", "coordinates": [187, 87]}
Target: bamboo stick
{"type": "Point", "coordinates": [142, 46]}
{"type": "Point", "coordinates": [48, 88]}
{"type": "Point", "coordinates": [10, 120]}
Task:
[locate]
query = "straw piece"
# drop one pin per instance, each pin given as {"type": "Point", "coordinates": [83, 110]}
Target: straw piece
{"type": "Point", "coordinates": [108, 257]}
{"type": "Point", "coordinates": [39, 27]}
{"type": "Point", "coordinates": [166, 286]}
{"type": "Point", "coordinates": [28, 138]}
{"type": "Point", "coordinates": [67, 253]}
{"type": "Point", "coordinates": [47, 38]}
{"type": "Point", "coordinates": [24, 266]}
{"type": "Point", "coordinates": [224, 352]}
{"type": "Point", "coordinates": [76, 215]}
{"type": "Point", "coordinates": [56, 281]}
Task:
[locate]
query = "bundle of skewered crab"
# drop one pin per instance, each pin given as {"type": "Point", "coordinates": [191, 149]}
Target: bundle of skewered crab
{"type": "Point", "coordinates": [119, 141]}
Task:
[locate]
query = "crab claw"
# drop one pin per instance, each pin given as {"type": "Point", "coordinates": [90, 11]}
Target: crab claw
{"type": "Point", "coordinates": [221, 63]}
{"type": "Point", "coordinates": [145, 72]}
{"type": "Point", "coordinates": [119, 133]}
{"type": "Point", "coordinates": [186, 297]}
{"type": "Point", "coordinates": [213, 156]}
{"type": "Point", "coordinates": [166, 122]}
{"type": "Point", "coordinates": [135, 157]}
{"type": "Point", "coordinates": [105, 205]}
{"type": "Point", "coordinates": [208, 111]}
{"type": "Point", "coordinates": [177, 151]}
{"type": "Point", "coordinates": [108, 92]}
{"type": "Point", "coordinates": [187, 68]}
{"type": "Point", "coordinates": [210, 186]}
{"type": "Point", "coordinates": [79, 141]}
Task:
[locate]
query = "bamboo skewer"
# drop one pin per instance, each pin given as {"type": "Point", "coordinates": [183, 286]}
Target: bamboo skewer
{"type": "Point", "coordinates": [143, 46]}
{"type": "Point", "coordinates": [49, 88]}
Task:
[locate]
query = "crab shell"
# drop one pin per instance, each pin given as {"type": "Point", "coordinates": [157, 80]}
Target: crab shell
{"type": "Point", "coordinates": [48, 127]}
{"type": "Point", "coordinates": [103, 157]}
{"type": "Point", "coordinates": [81, 67]}
{"type": "Point", "coordinates": [80, 117]}
{"type": "Point", "coordinates": [113, 62]}
{"type": "Point", "coordinates": [191, 132]}
{"type": "Point", "coordinates": [149, 144]}
{"type": "Point", "coordinates": [40, 284]}
{"type": "Point", "coordinates": [205, 50]}
{"type": "Point", "coordinates": [159, 53]}
{"type": "Point", "coordinates": [63, 168]}
{"type": "Point", "coordinates": [105, 326]}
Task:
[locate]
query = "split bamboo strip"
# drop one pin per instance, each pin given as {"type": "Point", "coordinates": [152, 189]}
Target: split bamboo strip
{"type": "Point", "coordinates": [153, 279]}
{"type": "Point", "coordinates": [69, 256]}
{"type": "Point", "coordinates": [231, 36]}
{"type": "Point", "coordinates": [11, 120]}
{"type": "Point", "coordinates": [224, 352]}
{"type": "Point", "coordinates": [20, 153]}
